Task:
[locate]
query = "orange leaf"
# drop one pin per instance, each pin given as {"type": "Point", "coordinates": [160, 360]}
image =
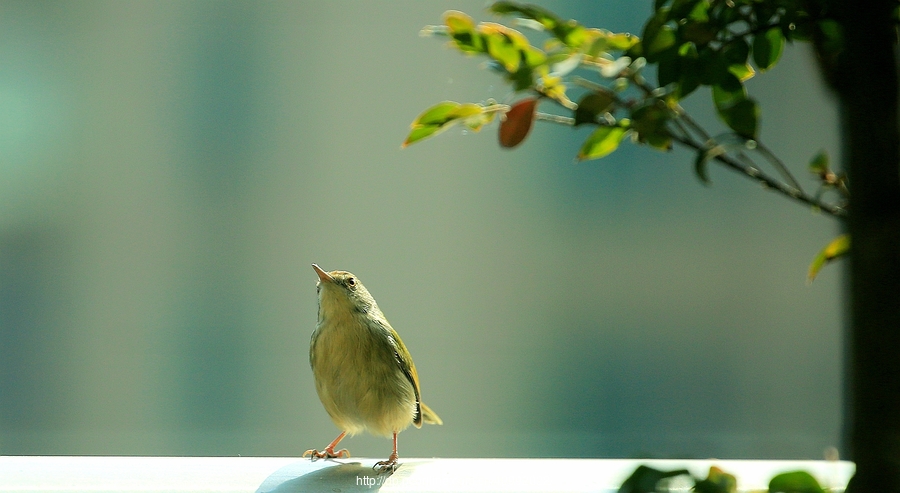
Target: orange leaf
{"type": "Point", "coordinates": [517, 124]}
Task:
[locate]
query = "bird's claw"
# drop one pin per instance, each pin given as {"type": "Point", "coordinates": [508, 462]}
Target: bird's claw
{"type": "Point", "coordinates": [387, 465]}
{"type": "Point", "coordinates": [314, 454]}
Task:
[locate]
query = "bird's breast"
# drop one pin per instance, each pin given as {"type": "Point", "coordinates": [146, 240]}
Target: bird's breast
{"type": "Point", "coordinates": [357, 375]}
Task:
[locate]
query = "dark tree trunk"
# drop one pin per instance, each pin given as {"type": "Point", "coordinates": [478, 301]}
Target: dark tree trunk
{"type": "Point", "coordinates": [866, 82]}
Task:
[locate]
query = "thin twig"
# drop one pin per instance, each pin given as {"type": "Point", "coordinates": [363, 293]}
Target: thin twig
{"type": "Point", "coordinates": [758, 175]}
{"type": "Point", "coordinates": [684, 122]}
{"type": "Point", "coordinates": [547, 117]}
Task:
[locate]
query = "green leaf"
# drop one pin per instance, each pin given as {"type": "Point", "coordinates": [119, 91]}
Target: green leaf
{"type": "Point", "coordinates": [645, 479]}
{"type": "Point", "coordinates": [688, 70]}
{"type": "Point", "coordinates": [667, 69]}
{"type": "Point", "coordinates": [728, 92]}
{"type": "Point", "coordinates": [437, 114]}
{"type": "Point", "coordinates": [794, 482]}
{"type": "Point", "coordinates": [767, 48]}
{"type": "Point", "coordinates": [547, 18]}
{"type": "Point", "coordinates": [501, 49]}
{"type": "Point", "coordinates": [465, 111]}
{"type": "Point", "coordinates": [736, 52]}
{"type": "Point", "coordinates": [699, 32]}
{"type": "Point", "coordinates": [718, 481]}
{"type": "Point", "coordinates": [838, 247]}
{"type": "Point", "coordinates": [569, 32]}
{"type": "Point", "coordinates": [593, 105]}
{"type": "Point", "coordinates": [742, 72]}
{"type": "Point", "coordinates": [420, 133]}
{"type": "Point", "coordinates": [649, 121]}
{"type": "Point", "coordinates": [700, 162]}
{"type": "Point", "coordinates": [448, 113]}
{"type": "Point", "coordinates": [735, 55]}
{"type": "Point", "coordinates": [662, 41]}
{"type": "Point", "coordinates": [603, 141]}
{"type": "Point", "coordinates": [700, 12]}
{"type": "Point", "coordinates": [657, 37]}
{"type": "Point", "coordinates": [461, 28]}
{"type": "Point", "coordinates": [819, 163]}
{"type": "Point", "coordinates": [621, 41]}
{"type": "Point", "coordinates": [742, 117]}
{"type": "Point", "coordinates": [712, 67]}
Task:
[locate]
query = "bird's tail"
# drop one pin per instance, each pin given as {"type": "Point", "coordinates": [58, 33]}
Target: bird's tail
{"type": "Point", "coordinates": [430, 416]}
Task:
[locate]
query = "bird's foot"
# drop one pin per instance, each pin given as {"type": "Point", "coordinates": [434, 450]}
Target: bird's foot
{"type": "Point", "coordinates": [328, 453]}
{"type": "Point", "coordinates": [390, 464]}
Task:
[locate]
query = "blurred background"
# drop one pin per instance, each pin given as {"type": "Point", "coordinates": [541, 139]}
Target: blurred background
{"type": "Point", "coordinates": [170, 170]}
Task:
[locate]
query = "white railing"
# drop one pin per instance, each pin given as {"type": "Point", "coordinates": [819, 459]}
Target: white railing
{"type": "Point", "coordinates": [273, 474]}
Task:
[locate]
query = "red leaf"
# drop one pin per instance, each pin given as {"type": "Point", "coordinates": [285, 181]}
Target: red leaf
{"type": "Point", "coordinates": [517, 124]}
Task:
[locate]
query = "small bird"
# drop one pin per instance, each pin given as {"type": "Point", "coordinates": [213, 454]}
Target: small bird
{"type": "Point", "coordinates": [365, 376]}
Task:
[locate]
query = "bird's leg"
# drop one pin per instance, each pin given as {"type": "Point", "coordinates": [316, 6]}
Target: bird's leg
{"type": "Point", "coordinates": [329, 452]}
{"type": "Point", "coordinates": [390, 464]}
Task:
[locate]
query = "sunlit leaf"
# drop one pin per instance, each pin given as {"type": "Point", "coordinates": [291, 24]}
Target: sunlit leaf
{"type": "Point", "coordinates": [767, 48]}
{"type": "Point", "coordinates": [437, 114]}
{"type": "Point", "coordinates": [533, 57]}
{"type": "Point", "coordinates": [620, 41]}
{"type": "Point", "coordinates": [514, 37]}
{"type": "Point", "coordinates": [420, 133]}
{"type": "Point", "coordinates": [681, 8]}
{"type": "Point", "coordinates": [465, 111]}
{"type": "Point", "coordinates": [461, 29]}
{"type": "Point", "coordinates": [742, 72]}
{"type": "Point", "coordinates": [603, 141]}
{"type": "Point", "coordinates": [568, 31]}
{"type": "Point", "coordinates": [735, 55]}
{"type": "Point", "coordinates": [700, 12]}
{"type": "Point", "coordinates": [547, 18]}
{"type": "Point", "coordinates": [838, 247]}
{"type": "Point", "coordinates": [501, 48]}
{"type": "Point", "coordinates": [445, 114]}
{"type": "Point", "coordinates": [518, 122]}
{"type": "Point", "coordinates": [662, 41]}
{"type": "Point", "coordinates": [794, 482]}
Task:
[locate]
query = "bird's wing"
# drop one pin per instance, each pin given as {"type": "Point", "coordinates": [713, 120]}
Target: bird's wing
{"type": "Point", "coordinates": [404, 360]}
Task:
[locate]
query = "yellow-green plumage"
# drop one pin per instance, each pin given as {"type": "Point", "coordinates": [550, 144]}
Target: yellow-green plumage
{"type": "Point", "coordinates": [364, 375]}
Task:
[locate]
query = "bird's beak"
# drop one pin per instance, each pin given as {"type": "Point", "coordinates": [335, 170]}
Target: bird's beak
{"type": "Point", "coordinates": [323, 276]}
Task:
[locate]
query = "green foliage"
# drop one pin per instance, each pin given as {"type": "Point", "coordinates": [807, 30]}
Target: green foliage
{"type": "Point", "coordinates": [646, 479]}
{"type": "Point", "coordinates": [795, 482]}
{"type": "Point", "coordinates": [837, 248]}
{"type": "Point", "coordinates": [448, 113]}
{"type": "Point", "coordinates": [603, 141]}
{"type": "Point", "coordinates": [691, 44]}
{"type": "Point", "coordinates": [718, 481]}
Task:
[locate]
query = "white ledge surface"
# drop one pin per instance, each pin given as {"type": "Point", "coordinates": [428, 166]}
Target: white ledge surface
{"type": "Point", "coordinates": [285, 474]}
